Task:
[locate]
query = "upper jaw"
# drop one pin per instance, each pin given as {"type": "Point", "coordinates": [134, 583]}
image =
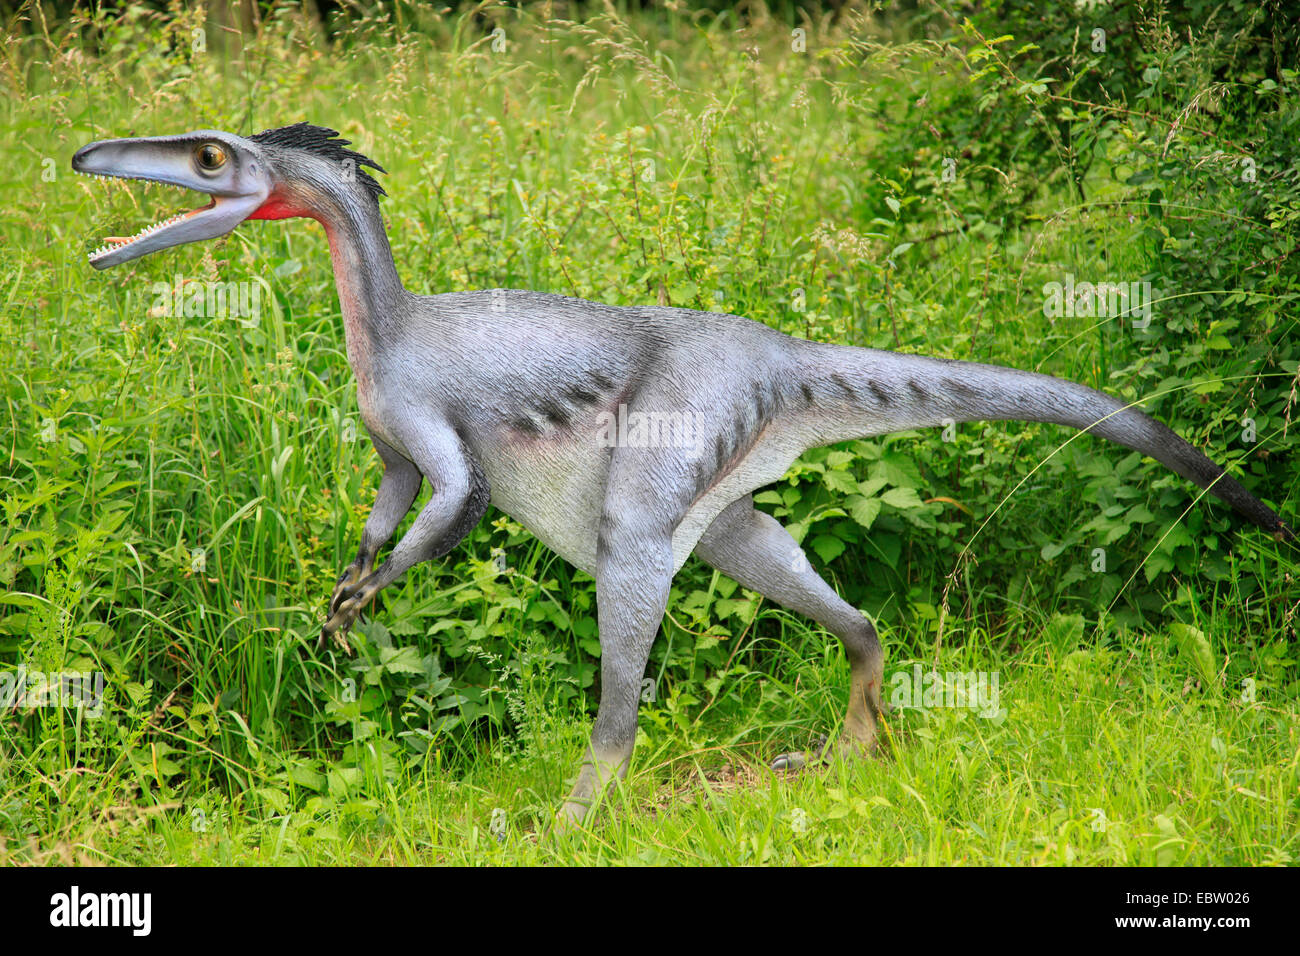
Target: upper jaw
{"type": "Point", "coordinates": [237, 191]}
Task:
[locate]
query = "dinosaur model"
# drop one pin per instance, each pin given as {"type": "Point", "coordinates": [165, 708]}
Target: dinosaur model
{"type": "Point", "coordinates": [506, 397]}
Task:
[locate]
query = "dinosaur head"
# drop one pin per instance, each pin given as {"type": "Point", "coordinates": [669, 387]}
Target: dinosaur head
{"type": "Point", "coordinates": [273, 175]}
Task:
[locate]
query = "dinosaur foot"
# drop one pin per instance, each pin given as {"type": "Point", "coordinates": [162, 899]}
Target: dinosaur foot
{"type": "Point", "coordinates": [570, 818]}
{"type": "Point", "coordinates": [799, 759]}
{"type": "Point", "coordinates": [823, 750]}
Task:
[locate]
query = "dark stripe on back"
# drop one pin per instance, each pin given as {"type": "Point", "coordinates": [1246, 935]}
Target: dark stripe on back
{"type": "Point", "coordinates": [555, 413]}
{"type": "Point", "coordinates": [525, 424]}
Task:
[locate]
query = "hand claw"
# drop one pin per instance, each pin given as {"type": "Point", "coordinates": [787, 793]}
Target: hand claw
{"type": "Point", "coordinates": [348, 609]}
{"type": "Point", "coordinates": [350, 577]}
{"type": "Point", "coordinates": [340, 617]}
{"type": "Point", "coordinates": [340, 636]}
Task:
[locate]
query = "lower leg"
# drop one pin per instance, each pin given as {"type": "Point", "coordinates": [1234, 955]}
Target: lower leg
{"type": "Point", "coordinates": [752, 548]}
{"type": "Point", "coordinates": [632, 582]}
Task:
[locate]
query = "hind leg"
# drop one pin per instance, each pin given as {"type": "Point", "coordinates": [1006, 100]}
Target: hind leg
{"type": "Point", "coordinates": [752, 547]}
{"type": "Point", "coordinates": [647, 493]}
{"type": "Point", "coordinates": [632, 580]}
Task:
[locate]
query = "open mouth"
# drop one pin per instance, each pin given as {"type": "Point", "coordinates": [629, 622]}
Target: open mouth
{"type": "Point", "coordinates": [114, 244]}
{"type": "Point", "coordinates": [197, 163]}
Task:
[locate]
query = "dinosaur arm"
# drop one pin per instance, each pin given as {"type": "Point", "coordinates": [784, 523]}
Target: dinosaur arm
{"type": "Point", "coordinates": [460, 497]}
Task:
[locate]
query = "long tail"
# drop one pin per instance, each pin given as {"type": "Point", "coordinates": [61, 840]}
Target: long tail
{"type": "Point", "coordinates": [869, 392]}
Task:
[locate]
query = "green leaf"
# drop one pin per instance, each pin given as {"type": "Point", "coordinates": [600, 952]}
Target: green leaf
{"type": "Point", "coordinates": [1139, 514]}
{"type": "Point", "coordinates": [1174, 536]}
{"type": "Point", "coordinates": [1195, 648]}
{"type": "Point", "coordinates": [304, 776]}
{"type": "Point", "coordinates": [840, 481]}
{"type": "Point", "coordinates": [897, 469]}
{"type": "Point", "coordinates": [902, 498]}
{"type": "Point", "coordinates": [888, 546]}
{"type": "Point", "coordinates": [401, 660]}
{"type": "Point", "coordinates": [1157, 564]}
{"type": "Point", "coordinates": [742, 608]}
{"type": "Point", "coordinates": [1052, 550]}
{"type": "Point", "coordinates": [828, 547]}
{"type": "Point", "coordinates": [863, 510]}
{"type": "Point", "coordinates": [1064, 631]}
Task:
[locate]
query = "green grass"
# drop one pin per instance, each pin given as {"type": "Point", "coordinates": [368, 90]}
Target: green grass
{"type": "Point", "coordinates": [1102, 757]}
{"type": "Point", "coordinates": [180, 492]}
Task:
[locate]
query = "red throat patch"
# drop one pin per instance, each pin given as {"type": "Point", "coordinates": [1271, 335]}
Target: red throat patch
{"type": "Point", "coordinates": [276, 207]}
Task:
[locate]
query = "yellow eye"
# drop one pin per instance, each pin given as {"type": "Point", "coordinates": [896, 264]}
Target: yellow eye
{"type": "Point", "coordinates": [210, 156]}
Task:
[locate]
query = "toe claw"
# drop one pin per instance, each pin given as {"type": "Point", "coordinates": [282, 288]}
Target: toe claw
{"type": "Point", "coordinates": [796, 760]}
{"type": "Point", "coordinates": [344, 614]}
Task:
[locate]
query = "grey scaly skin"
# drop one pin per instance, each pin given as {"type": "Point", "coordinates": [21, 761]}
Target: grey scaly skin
{"type": "Point", "coordinates": [507, 397]}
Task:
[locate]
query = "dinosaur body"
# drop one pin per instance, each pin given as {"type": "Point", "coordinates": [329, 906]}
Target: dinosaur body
{"type": "Point", "coordinates": [539, 404]}
{"type": "Point", "coordinates": [541, 415]}
{"type": "Point", "coordinates": [536, 412]}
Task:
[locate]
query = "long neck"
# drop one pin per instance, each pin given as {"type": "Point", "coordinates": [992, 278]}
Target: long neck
{"type": "Point", "coordinates": [367, 280]}
{"type": "Point", "coordinates": [368, 286]}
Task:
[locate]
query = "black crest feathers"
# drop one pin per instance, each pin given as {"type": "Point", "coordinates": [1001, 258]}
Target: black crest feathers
{"type": "Point", "coordinates": [326, 144]}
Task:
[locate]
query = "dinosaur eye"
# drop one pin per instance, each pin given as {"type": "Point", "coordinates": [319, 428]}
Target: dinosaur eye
{"type": "Point", "coordinates": [210, 156]}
